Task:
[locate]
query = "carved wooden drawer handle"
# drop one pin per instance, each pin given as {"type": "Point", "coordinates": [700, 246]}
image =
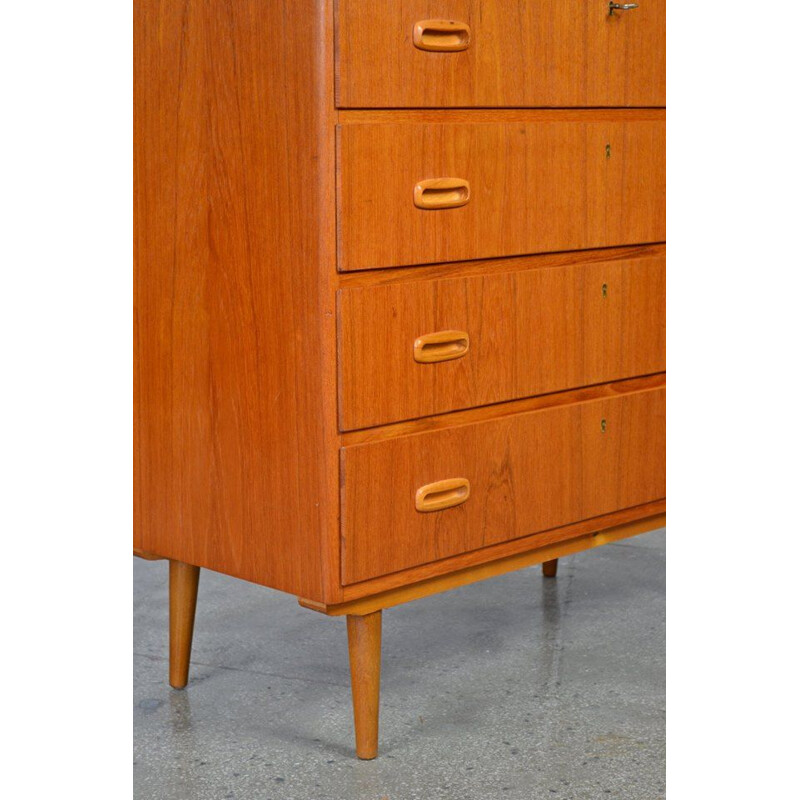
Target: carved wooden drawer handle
{"type": "Point", "coordinates": [441, 35]}
{"type": "Point", "coordinates": [442, 494]}
{"type": "Point", "coordinates": [441, 346]}
{"type": "Point", "coordinates": [441, 193]}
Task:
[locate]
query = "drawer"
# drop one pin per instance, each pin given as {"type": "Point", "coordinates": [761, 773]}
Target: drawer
{"type": "Point", "coordinates": [419, 193]}
{"type": "Point", "coordinates": [426, 347]}
{"type": "Point", "coordinates": [501, 478]}
{"type": "Point", "coordinates": [499, 53]}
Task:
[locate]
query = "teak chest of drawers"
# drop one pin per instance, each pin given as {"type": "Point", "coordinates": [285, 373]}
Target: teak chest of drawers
{"type": "Point", "coordinates": [399, 296]}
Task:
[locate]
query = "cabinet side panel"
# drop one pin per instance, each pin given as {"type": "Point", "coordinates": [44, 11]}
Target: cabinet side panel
{"type": "Point", "coordinates": [234, 307]}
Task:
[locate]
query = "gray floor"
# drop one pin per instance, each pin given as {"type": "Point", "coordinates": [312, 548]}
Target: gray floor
{"type": "Point", "coordinates": [517, 687]}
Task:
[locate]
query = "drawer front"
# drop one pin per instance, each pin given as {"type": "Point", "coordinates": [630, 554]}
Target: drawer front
{"type": "Point", "coordinates": [497, 480]}
{"type": "Point", "coordinates": [499, 53]}
{"type": "Point", "coordinates": [486, 339]}
{"type": "Point", "coordinates": [420, 193]}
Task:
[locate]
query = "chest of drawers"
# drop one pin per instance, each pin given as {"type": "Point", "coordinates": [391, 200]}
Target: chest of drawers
{"type": "Point", "coordinates": [399, 297]}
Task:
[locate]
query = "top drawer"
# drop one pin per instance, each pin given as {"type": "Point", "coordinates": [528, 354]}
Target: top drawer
{"type": "Point", "coordinates": [469, 53]}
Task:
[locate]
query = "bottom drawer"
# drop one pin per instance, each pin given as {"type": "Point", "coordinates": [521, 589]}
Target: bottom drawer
{"type": "Point", "coordinates": [431, 495]}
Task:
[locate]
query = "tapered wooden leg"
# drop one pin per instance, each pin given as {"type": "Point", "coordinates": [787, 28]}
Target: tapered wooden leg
{"type": "Point", "coordinates": [550, 568]}
{"type": "Point", "coordinates": [183, 579]}
{"type": "Point", "coordinates": [364, 640]}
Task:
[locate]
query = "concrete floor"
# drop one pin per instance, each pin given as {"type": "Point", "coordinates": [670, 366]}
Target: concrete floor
{"type": "Point", "coordinates": [516, 688]}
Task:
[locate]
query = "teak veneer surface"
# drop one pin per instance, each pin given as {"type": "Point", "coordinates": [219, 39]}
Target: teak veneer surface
{"type": "Point", "coordinates": [235, 366]}
{"type": "Point", "coordinates": [528, 472]}
{"type": "Point", "coordinates": [530, 332]}
{"type": "Point", "coordinates": [521, 53]}
{"type": "Point", "coordinates": [535, 187]}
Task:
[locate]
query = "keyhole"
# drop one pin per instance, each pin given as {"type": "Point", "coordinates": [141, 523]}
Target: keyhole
{"type": "Point", "coordinates": [602, 426]}
{"type": "Point", "coordinates": [608, 151]}
{"type": "Point", "coordinates": [605, 290]}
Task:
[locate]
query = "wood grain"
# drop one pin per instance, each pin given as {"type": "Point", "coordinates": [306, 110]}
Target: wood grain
{"type": "Point", "coordinates": [535, 187]}
{"type": "Point", "coordinates": [530, 332]}
{"type": "Point", "coordinates": [521, 53]}
{"type": "Point", "coordinates": [364, 644]}
{"type": "Point", "coordinates": [235, 452]}
{"type": "Point", "coordinates": [527, 473]}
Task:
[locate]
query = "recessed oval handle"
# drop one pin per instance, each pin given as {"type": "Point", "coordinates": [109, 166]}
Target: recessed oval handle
{"type": "Point", "coordinates": [441, 35]}
{"type": "Point", "coordinates": [441, 346]}
{"type": "Point", "coordinates": [437, 193]}
{"type": "Point", "coordinates": [442, 494]}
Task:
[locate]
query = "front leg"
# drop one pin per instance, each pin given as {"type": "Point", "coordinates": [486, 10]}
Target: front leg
{"type": "Point", "coordinates": [183, 580]}
{"type": "Point", "coordinates": [364, 642]}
